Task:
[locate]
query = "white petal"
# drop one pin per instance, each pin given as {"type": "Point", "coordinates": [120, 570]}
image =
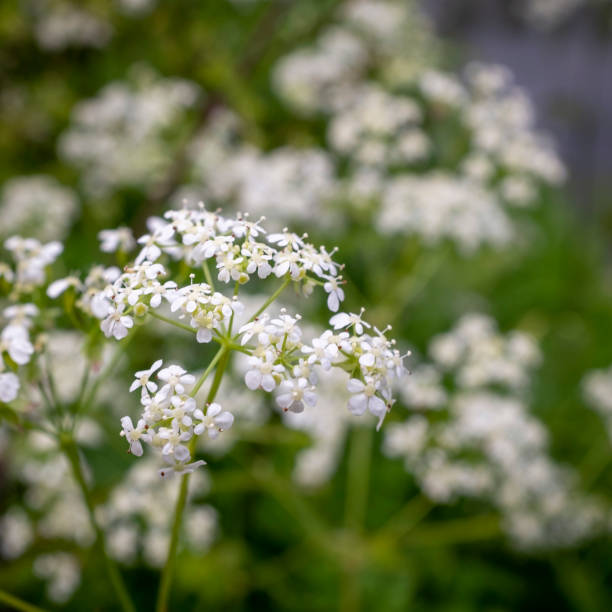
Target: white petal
{"type": "Point", "coordinates": [358, 404]}
{"type": "Point", "coordinates": [354, 385]}
{"type": "Point", "coordinates": [253, 379]}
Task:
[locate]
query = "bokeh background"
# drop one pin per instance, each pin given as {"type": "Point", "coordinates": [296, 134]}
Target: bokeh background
{"type": "Point", "coordinates": [458, 154]}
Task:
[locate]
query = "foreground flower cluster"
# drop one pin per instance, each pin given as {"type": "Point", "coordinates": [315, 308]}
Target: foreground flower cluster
{"type": "Point", "coordinates": [189, 243]}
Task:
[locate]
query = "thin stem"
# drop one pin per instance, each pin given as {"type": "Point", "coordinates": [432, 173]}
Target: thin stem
{"type": "Point", "coordinates": [454, 531]}
{"type": "Point", "coordinates": [271, 298]}
{"type": "Point", "coordinates": [222, 358]}
{"type": "Point", "coordinates": [88, 396]}
{"type": "Point", "coordinates": [72, 454]}
{"type": "Point", "coordinates": [357, 487]}
{"type": "Point", "coordinates": [18, 604]}
{"type": "Point", "coordinates": [207, 274]}
{"type": "Point", "coordinates": [207, 371]}
{"type": "Point", "coordinates": [358, 478]}
{"type": "Point", "coordinates": [170, 321]}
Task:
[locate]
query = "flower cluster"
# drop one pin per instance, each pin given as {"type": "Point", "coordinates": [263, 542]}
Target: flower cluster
{"type": "Point", "coordinates": [16, 348]}
{"type": "Point", "coordinates": [170, 418]}
{"type": "Point", "coordinates": [279, 359]}
{"type": "Point", "coordinates": [31, 260]}
{"type": "Point", "coordinates": [117, 138]}
{"type": "Point", "coordinates": [438, 206]}
{"type": "Point", "coordinates": [483, 442]}
{"type": "Point", "coordinates": [286, 184]}
{"type": "Point", "coordinates": [38, 204]}
{"type": "Point", "coordinates": [61, 26]}
{"type": "Point", "coordinates": [369, 38]}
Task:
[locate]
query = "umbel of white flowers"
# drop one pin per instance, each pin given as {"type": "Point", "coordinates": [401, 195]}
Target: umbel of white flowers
{"type": "Point", "coordinates": [279, 360]}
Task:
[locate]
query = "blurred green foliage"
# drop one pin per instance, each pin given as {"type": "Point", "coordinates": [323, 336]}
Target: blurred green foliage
{"type": "Point", "coordinates": [371, 541]}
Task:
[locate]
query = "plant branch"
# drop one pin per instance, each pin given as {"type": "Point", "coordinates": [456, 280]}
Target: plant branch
{"type": "Point", "coordinates": [221, 359]}
{"type": "Point", "coordinates": [18, 604]}
{"type": "Point", "coordinates": [72, 454]}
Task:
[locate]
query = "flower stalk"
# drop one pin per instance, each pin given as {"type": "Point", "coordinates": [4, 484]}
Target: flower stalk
{"type": "Point", "coordinates": [71, 452]}
{"type": "Point", "coordinates": [221, 360]}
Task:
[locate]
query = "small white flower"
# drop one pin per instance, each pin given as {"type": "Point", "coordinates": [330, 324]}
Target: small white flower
{"type": "Point", "coordinates": [116, 239]}
{"type": "Point", "coordinates": [9, 387]}
{"type": "Point", "coordinates": [294, 393]}
{"type": "Point", "coordinates": [364, 398]}
{"type": "Point", "coordinates": [342, 319]}
{"type": "Point", "coordinates": [56, 288]}
{"type": "Point", "coordinates": [181, 411]}
{"type": "Point", "coordinates": [143, 379]}
{"type": "Point", "coordinates": [116, 323]}
{"type": "Point", "coordinates": [21, 314]}
{"type": "Point", "coordinates": [150, 251]}
{"type": "Point", "coordinates": [16, 342]}
{"type": "Point", "coordinates": [263, 372]}
{"type": "Point", "coordinates": [256, 328]}
{"type": "Point", "coordinates": [176, 378]}
{"type": "Point", "coordinates": [323, 350]}
{"type": "Point", "coordinates": [157, 291]}
{"type": "Point", "coordinates": [135, 434]}
{"type": "Point", "coordinates": [174, 436]}
{"type": "Point", "coordinates": [179, 468]}
{"type": "Point", "coordinates": [336, 293]}
{"type": "Point", "coordinates": [215, 421]}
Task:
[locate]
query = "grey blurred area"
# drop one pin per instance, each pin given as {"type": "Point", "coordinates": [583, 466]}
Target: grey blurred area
{"type": "Point", "coordinates": [566, 67]}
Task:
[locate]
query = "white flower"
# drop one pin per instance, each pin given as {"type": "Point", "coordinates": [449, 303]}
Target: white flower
{"type": "Point", "coordinates": [157, 291]}
{"type": "Point", "coordinates": [342, 319]}
{"type": "Point", "coordinates": [176, 378]}
{"type": "Point", "coordinates": [116, 239]}
{"type": "Point", "coordinates": [215, 421]}
{"type": "Point", "coordinates": [56, 288]}
{"type": "Point", "coordinates": [287, 261]}
{"type": "Point", "coordinates": [143, 379]}
{"type": "Point", "coordinates": [323, 350]}
{"type": "Point", "coordinates": [263, 372]}
{"type": "Point", "coordinates": [135, 434]}
{"type": "Point", "coordinates": [174, 436]}
{"type": "Point", "coordinates": [294, 393]}
{"type": "Point", "coordinates": [179, 468]}
{"type": "Point", "coordinates": [336, 293]}
{"type": "Point", "coordinates": [258, 256]}
{"type": "Point", "coordinates": [15, 341]}
{"type": "Point", "coordinates": [9, 387]}
{"type": "Point", "coordinates": [256, 328]}
{"type": "Point", "coordinates": [150, 251]}
{"type": "Point", "coordinates": [182, 407]}
{"type": "Point", "coordinates": [364, 398]}
{"type": "Point", "coordinates": [21, 314]}
{"type": "Point", "coordinates": [116, 323]}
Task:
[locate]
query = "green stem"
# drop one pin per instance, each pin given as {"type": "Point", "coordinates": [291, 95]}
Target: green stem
{"type": "Point", "coordinates": [88, 395]}
{"type": "Point", "coordinates": [222, 358]}
{"type": "Point", "coordinates": [271, 298]}
{"type": "Point", "coordinates": [358, 478]}
{"type": "Point", "coordinates": [357, 488]}
{"type": "Point", "coordinates": [18, 604]}
{"type": "Point", "coordinates": [170, 321]}
{"type": "Point", "coordinates": [208, 370]}
{"type": "Point", "coordinates": [72, 454]}
{"type": "Point", "coordinates": [207, 274]}
{"type": "Point", "coordinates": [455, 531]}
